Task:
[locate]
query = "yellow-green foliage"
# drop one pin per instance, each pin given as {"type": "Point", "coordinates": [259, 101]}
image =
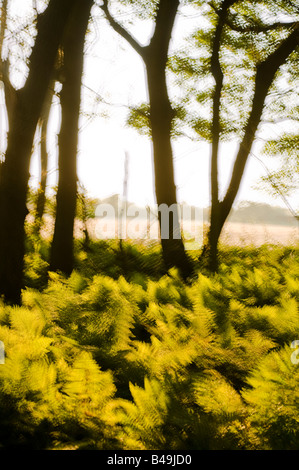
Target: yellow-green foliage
{"type": "Point", "coordinates": [48, 379]}
{"type": "Point", "coordinates": [274, 400]}
{"type": "Point", "coordinates": [134, 361]}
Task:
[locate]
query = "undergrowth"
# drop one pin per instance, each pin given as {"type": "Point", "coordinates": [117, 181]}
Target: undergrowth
{"type": "Point", "coordinates": [122, 356]}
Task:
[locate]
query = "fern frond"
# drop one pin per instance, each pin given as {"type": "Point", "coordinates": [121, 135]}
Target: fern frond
{"type": "Point", "coordinates": [273, 398]}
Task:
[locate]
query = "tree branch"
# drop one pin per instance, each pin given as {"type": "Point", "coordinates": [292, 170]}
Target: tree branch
{"type": "Point", "coordinates": [121, 30]}
{"type": "Point", "coordinates": [165, 18]}
{"type": "Point", "coordinates": [265, 75]}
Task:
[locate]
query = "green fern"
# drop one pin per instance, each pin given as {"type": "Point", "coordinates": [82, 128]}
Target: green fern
{"type": "Point", "coordinates": [273, 398]}
{"type": "Point", "coordinates": [143, 419]}
{"type": "Point", "coordinates": [49, 380]}
{"type": "Point", "coordinates": [104, 361]}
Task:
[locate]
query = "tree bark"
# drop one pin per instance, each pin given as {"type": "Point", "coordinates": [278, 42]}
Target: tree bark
{"type": "Point", "coordinates": [70, 99]}
{"type": "Point", "coordinates": [43, 125]}
{"type": "Point", "coordinates": [161, 116]}
{"type": "Point", "coordinates": [15, 170]}
{"type": "Point", "coordinates": [217, 73]}
{"type": "Point", "coordinates": [155, 57]}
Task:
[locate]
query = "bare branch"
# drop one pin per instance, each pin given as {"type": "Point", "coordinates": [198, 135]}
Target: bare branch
{"type": "Point", "coordinates": [121, 30]}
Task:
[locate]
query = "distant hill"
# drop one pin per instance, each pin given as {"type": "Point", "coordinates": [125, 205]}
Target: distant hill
{"type": "Point", "coordinates": [264, 214]}
{"type": "Point", "coordinates": [247, 212]}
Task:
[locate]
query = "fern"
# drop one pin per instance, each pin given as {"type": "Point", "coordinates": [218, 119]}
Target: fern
{"type": "Point", "coordinates": [279, 323]}
{"type": "Point", "coordinates": [273, 398]}
{"type": "Point", "coordinates": [48, 380]}
{"type": "Point", "coordinates": [107, 359]}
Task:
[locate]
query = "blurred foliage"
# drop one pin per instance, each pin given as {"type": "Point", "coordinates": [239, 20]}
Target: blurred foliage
{"type": "Point", "coordinates": [126, 357]}
{"type": "Point", "coordinates": [143, 9]}
{"type": "Point", "coordinates": [139, 119]}
{"type": "Point", "coordinates": [284, 180]}
{"type": "Point", "coordinates": [122, 356]}
{"type": "Point", "coordinates": [252, 32]}
{"type": "Point", "coordinates": [85, 204]}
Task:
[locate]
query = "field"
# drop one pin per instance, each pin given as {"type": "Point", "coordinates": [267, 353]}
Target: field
{"type": "Point", "coordinates": [121, 356]}
{"type": "Point", "coordinates": [257, 234]}
{"type": "Point", "coordinates": [233, 234]}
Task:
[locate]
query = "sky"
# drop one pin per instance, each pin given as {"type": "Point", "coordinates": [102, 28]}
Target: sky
{"type": "Point", "coordinates": [114, 71]}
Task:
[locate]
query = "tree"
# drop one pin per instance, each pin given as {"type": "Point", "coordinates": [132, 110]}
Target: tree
{"type": "Point", "coordinates": [15, 169]}
{"type": "Point", "coordinates": [10, 98]}
{"type": "Point", "coordinates": [241, 53]}
{"type": "Point", "coordinates": [218, 76]}
{"type": "Point", "coordinates": [70, 98]}
{"type": "Point", "coordinates": [161, 114]}
{"type": "Point", "coordinates": [265, 74]}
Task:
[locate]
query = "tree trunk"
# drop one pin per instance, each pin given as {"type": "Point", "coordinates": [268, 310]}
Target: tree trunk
{"type": "Point", "coordinates": [161, 115]}
{"type": "Point", "coordinates": [41, 195]}
{"type": "Point", "coordinates": [217, 73]}
{"type": "Point", "coordinates": [15, 171]}
{"type": "Point", "coordinates": [155, 57]}
{"type": "Point", "coordinates": [70, 99]}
